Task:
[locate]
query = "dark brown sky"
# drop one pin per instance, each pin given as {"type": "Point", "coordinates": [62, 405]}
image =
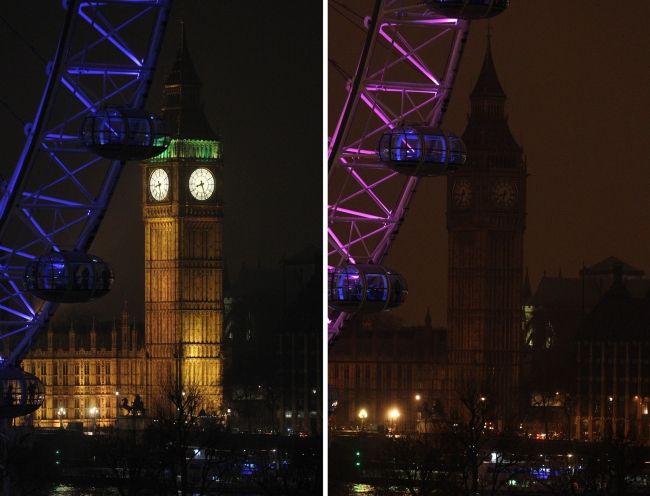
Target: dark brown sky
{"type": "Point", "coordinates": [261, 69]}
{"type": "Point", "coordinates": [578, 84]}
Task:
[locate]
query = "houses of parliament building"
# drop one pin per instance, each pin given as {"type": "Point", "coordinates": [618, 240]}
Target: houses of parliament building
{"type": "Point", "coordinates": [90, 373]}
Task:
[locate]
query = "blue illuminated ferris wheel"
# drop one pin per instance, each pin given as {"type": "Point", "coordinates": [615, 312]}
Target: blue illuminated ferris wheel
{"type": "Point", "coordinates": [89, 121]}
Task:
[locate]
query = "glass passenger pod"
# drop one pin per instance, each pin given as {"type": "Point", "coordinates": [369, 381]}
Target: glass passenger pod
{"type": "Point", "coordinates": [125, 134]}
{"type": "Point", "coordinates": [68, 277]}
{"type": "Point", "coordinates": [468, 9]}
{"type": "Point", "coordinates": [365, 288]}
{"type": "Point", "coordinates": [421, 151]}
{"type": "Point", "coordinates": [21, 393]}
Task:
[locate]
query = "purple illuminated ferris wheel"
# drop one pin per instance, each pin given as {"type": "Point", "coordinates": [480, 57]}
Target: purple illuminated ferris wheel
{"type": "Point", "coordinates": [387, 137]}
{"type": "Point", "coordinates": [89, 121]}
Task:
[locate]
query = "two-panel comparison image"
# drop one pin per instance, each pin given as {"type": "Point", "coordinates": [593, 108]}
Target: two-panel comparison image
{"type": "Point", "coordinates": [344, 247]}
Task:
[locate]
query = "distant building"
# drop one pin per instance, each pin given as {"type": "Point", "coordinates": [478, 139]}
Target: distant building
{"type": "Point", "coordinates": [273, 346]}
{"type": "Point", "coordinates": [378, 365]}
{"type": "Point", "coordinates": [561, 322]}
{"type": "Point", "coordinates": [85, 367]}
{"type": "Point", "coordinates": [613, 368]}
{"type": "Point", "coordinates": [301, 343]}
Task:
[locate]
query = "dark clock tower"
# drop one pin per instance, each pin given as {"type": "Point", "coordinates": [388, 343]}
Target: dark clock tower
{"type": "Point", "coordinates": [486, 212]}
{"type": "Point", "coordinates": [183, 226]}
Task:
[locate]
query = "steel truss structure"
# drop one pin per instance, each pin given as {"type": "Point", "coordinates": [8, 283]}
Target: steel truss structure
{"type": "Point", "coordinates": [59, 191]}
{"type": "Point", "coordinates": [405, 75]}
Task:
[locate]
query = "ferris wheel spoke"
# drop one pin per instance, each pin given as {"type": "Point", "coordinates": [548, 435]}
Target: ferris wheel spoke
{"type": "Point", "coordinates": [340, 248]}
{"type": "Point", "coordinates": [71, 175]}
{"type": "Point", "coordinates": [407, 53]}
{"type": "Point", "coordinates": [16, 313]}
{"type": "Point", "coordinates": [362, 238]}
{"type": "Point", "coordinates": [43, 201]}
{"type": "Point", "coordinates": [400, 87]}
{"type": "Point", "coordinates": [18, 293]}
{"type": "Point", "coordinates": [376, 109]}
{"type": "Point", "coordinates": [369, 188]}
{"type": "Point", "coordinates": [47, 236]}
{"type": "Point", "coordinates": [13, 275]}
{"type": "Point", "coordinates": [110, 33]}
{"type": "Point", "coordinates": [22, 329]}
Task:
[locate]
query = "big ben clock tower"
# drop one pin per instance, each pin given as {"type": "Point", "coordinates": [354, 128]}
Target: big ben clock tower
{"type": "Point", "coordinates": [486, 211]}
{"type": "Point", "coordinates": [183, 226]}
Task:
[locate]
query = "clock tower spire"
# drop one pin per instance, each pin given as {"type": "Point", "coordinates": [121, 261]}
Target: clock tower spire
{"type": "Point", "coordinates": [183, 227]}
{"type": "Point", "coordinates": [486, 210]}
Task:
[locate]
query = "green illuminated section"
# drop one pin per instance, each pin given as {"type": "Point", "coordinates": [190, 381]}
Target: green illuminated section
{"type": "Point", "coordinates": [192, 149]}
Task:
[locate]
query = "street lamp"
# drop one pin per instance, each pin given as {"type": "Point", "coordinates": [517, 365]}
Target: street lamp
{"type": "Point", "coordinates": [93, 415]}
{"type": "Point", "coordinates": [60, 413]}
{"type": "Point", "coordinates": [363, 415]}
{"type": "Point", "coordinates": [394, 414]}
{"type": "Point", "coordinates": [419, 412]}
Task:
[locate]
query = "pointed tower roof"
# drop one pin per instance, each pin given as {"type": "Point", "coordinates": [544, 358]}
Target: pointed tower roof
{"type": "Point", "coordinates": [488, 84]}
{"type": "Point", "coordinates": [183, 71]}
{"type": "Point", "coordinates": [181, 106]}
{"type": "Point", "coordinates": [488, 138]}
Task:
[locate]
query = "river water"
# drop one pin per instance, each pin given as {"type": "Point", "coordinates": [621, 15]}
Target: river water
{"type": "Point", "coordinates": [367, 490]}
{"type": "Point", "coordinates": [67, 490]}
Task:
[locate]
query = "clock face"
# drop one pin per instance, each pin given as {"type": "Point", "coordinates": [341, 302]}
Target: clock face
{"type": "Point", "coordinates": [201, 184]}
{"type": "Point", "coordinates": [462, 193]}
{"type": "Point", "coordinates": [504, 193]}
{"type": "Point", "coordinates": [159, 184]}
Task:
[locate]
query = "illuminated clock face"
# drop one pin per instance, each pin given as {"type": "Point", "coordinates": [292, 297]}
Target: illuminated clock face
{"type": "Point", "coordinates": [504, 193]}
{"type": "Point", "coordinates": [201, 184]}
{"type": "Point", "coordinates": [462, 193]}
{"type": "Point", "coordinates": [159, 184]}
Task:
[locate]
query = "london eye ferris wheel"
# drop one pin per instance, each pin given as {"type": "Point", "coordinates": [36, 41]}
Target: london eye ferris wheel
{"type": "Point", "coordinates": [387, 137]}
{"type": "Point", "coordinates": [89, 121]}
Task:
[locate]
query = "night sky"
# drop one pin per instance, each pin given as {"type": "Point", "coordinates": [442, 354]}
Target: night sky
{"type": "Point", "coordinates": [577, 79]}
{"type": "Point", "coordinates": [261, 69]}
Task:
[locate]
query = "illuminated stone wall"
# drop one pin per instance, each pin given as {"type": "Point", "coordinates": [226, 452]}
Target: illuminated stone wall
{"type": "Point", "coordinates": [80, 372]}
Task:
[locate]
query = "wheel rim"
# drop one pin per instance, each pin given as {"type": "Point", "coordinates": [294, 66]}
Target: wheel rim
{"type": "Point", "coordinates": [59, 191]}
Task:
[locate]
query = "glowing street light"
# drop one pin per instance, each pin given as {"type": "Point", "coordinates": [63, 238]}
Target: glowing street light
{"type": "Point", "coordinates": [93, 415]}
{"type": "Point", "coordinates": [60, 413]}
{"type": "Point", "coordinates": [394, 414]}
{"type": "Point", "coordinates": [418, 397]}
{"type": "Point", "coordinates": [363, 415]}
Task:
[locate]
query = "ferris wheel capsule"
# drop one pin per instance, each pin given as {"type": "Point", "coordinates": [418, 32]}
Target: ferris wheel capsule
{"type": "Point", "coordinates": [20, 393]}
{"type": "Point", "coordinates": [421, 151]}
{"type": "Point", "coordinates": [68, 277]}
{"type": "Point", "coordinates": [365, 288]}
{"type": "Point", "coordinates": [125, 134]}
{"type": "Point", "coordinates": [468, 9]}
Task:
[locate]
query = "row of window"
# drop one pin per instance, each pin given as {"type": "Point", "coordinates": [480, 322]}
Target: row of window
{"type": "Point", "coordinates": [77, 374]}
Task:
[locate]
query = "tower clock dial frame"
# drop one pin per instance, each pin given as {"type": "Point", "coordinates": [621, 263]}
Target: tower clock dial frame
{"type": "Point", "coordinates": [462, 193]}
{"type": "Point", "coordinates": [504, 193]}
{"type": "Point", "coordinates": [201, 183]}
{"type": "Point", "coordinates": [159, 184]}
